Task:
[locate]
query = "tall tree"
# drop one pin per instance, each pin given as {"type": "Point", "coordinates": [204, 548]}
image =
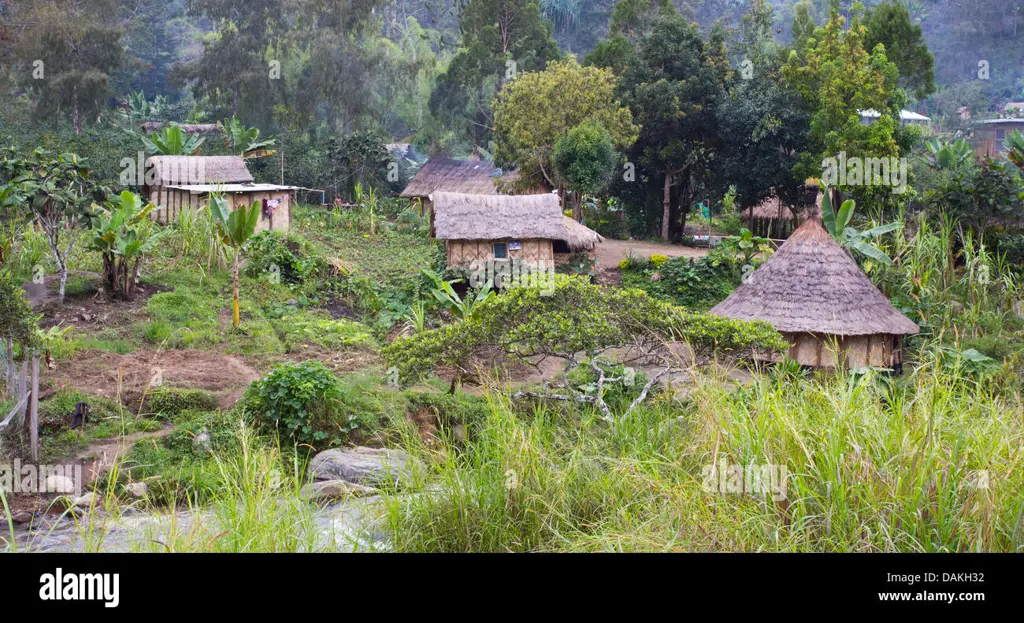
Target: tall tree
{"type": "Point", "coordinates": [763, 124]}
{"type": "Point", "coordinates": [68, 51]}
{"type": "Point", "coordinates": [674, 88]}
{"type": "Point", "coordinates": [537, 109]}
{"type": "Point", "coordinates": [889, 24]}
{"type": "Point", "coordinates": [837, 78]}
{"type": "Point", "coordinates": [501, 39]}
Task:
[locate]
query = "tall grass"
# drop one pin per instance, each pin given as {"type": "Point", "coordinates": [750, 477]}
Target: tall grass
{"type": "Point", "coordinates": [928, 463]}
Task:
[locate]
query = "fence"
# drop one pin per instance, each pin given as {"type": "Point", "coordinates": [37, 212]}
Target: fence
{"type": "Point", "coordinates": [23, 388]}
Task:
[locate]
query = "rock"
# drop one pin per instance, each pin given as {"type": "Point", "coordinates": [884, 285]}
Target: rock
{"type": "Point", "coordinates": [327, 490]}
{"type": "Point", "coordinates": [59, 484]}
{"type": "Point", "coordinates": [138, 489]}
{"type": "Point", "coordinates": [86, 501]}
{"type": "Point", "coordinates": [292, 302]}
{"type": "Point", "coordinates": [86, 317]}
{"type": "Point", "coordinates": [21, 518]}
{"type": "Point", "coordinates": [364, 466]}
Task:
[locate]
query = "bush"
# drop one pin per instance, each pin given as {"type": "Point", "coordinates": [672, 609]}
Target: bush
{"type": "Point", "coordinates": [289, 258]}
{"type": "Point", "coordinates": [296, 398]}
{"type": "Point", "coordinates": [657, 260]}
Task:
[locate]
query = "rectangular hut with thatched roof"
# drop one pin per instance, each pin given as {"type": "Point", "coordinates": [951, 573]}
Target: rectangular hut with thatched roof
{"type": "Point", "coordinates": [504, 228]}
{"type": "Point", "coordinates": [178, 183]}
{"type": "Point", "coordinates": [812, 291]}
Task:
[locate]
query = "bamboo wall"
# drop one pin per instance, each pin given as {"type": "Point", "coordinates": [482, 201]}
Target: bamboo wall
{"type": "Point", "coordinates": [464, 252]}
{"type": "Point", "coordinates": [171, 202]}
{"type": "Point", "coordinates": [811, 349]}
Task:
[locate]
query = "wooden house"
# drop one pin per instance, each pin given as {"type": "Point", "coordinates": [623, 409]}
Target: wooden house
{"type": "Point", "coordinates": [178, 183]}
{"type": "Point", "coordinates": [990, 135]}
{"type": "Point", "coordinates": [812, 291]}
{"type": "Point", "coordinates": [531, 228]}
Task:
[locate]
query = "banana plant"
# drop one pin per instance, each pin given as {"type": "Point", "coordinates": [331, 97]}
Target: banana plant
{"type": "Point", "coordinates": [837, 223]}
{"type": "Point", "coordinates": [234, 228]}
{"type": "Point", "coordinates": [245, 142]}
{"type": "Point", "coordinates": [450, 299]}
{"type": "Point", "coordinates": [123, 234]}
{"type": "Point", "coordinates": [172, 141]}
{"type": "Point", "coordinates": [948, 155]}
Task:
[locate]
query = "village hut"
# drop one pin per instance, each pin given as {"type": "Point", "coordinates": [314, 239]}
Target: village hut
{"type": "Point", "coordinates": [178, 183]}
{"type": "Point", "coordinates": [472, 177]}
{"type": "Point", "coordinates": [530, 228]}
{"type": "Point", "coordinates": [774, 219]}
{"type": "Point", "coordinates": [814, 293]}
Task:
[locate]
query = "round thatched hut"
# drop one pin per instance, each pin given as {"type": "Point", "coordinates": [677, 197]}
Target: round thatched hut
{"type": "Point", "coordinates": [813, 293]}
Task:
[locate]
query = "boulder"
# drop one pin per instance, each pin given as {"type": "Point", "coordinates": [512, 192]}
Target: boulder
{"type": "Point", "coordinates": [327, 490]}
{"type": "Point", "coordinates": [370, 467]}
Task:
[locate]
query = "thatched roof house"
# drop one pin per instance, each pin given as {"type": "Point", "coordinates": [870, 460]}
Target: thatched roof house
{"type": "Point", "coordinates": [774, 219]}
{"type": "Point", "coordinates": [178, 183]}
{"type": "Point", "coordinates": [532, 228]}
{"type": "Point", "coordinates": [814, 293]}
{"type": "Point", "coordinates": [198, 170]}
{"type": "Point", "coordinates": [474, 177]}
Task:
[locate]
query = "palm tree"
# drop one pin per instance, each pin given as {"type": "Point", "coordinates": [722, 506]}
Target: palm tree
{"type": "Point", "coordinates": [234, 227]}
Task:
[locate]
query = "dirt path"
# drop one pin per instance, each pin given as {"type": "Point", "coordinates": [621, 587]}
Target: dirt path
{"type": "Point", "coordinates": [610, 252]}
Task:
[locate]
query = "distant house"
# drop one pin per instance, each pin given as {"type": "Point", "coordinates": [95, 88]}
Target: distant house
{"type": "Point", "coordinates": [178, 183]}
{"type": "Point", "coordinates": [813, 293]}
{"type": "Point", "coordinates": [774, 219]}
{"type": "Point", "coordinates": [472, 177]}
{"type": "Point", "coordinates": [989, 135]}
{"type": "Point", "coordinates": [907, 117]}
{"type": "Point", "coordinates": [531, 228]}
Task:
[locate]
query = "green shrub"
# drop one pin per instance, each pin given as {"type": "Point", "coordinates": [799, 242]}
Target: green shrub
{"type": "Point", "coordinates": [289, 258]}
{"type": "Point", "coordinates": [296, 399]}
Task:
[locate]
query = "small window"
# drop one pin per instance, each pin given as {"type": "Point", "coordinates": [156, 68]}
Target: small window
{"type": "Point", "coordinates": [1000, 134]}
{"type": "Point", "coordinates": [560, 246]}
{"type": "Point", "coordinates": [500, 251]}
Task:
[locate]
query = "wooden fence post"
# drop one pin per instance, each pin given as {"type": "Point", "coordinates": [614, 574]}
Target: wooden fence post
{"type": "Point", "coordinates": [22, 388]}
{"type": "Point", "coordinates": [10, 366]}
{"type": "Point", "coordinates": [33, 411]}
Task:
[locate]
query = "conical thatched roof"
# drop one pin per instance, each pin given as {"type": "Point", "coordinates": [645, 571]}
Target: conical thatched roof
{"type": "Point", "coordinates": [183, 170]}
{"type": "Point", "coordinates": [475, 177]}
{"type": "Point", "coordinates": [811, 285]}
{"type": "Point", "coordinates": [459, 216]}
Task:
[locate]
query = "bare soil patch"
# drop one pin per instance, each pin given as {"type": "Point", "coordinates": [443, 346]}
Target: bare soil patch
{"type": "Point", "coordinates": [127, 377]}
